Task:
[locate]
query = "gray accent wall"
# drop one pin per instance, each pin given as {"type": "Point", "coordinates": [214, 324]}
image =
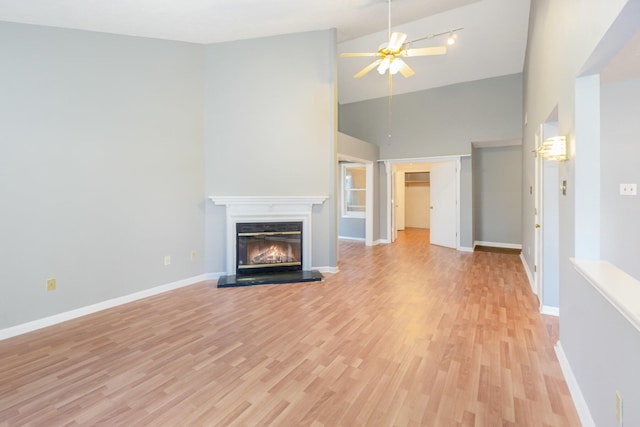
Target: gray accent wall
{"type": "Point", "coordinates": [620, 163]}
{"type": "Point", "coordinates": [101, 167]}
{"type": "Point", "coordinates": [441, 121]}
{"type": "Point", "coordinates": [271, 131]}
{"type": "Point", "coordinates": [497, 189]}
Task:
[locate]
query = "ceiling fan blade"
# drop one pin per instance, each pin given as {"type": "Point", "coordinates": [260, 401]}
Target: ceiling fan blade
{"type": "Point", "coordinates": [425, 51]}
{"type": "Point", "coordinates": [368, 68]}
{"type": "Point", "coordinates": [345, 55]}
{"type": "Point", "coordinates": [404, 69]}
{"type": "Point", "coordinates": [396, 41]}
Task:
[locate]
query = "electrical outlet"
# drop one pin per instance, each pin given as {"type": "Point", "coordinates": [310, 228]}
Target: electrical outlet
{"type": "Point", "coordinates": [619, 408]}
{"type": "Point", "coordinates": [167, 259]}
{"type": "Point", "coordinates": [51, 284]}
{"type": "Point", "coordinates": [628, 189]}
{"type": "Point", "coordinates": [193, 255]}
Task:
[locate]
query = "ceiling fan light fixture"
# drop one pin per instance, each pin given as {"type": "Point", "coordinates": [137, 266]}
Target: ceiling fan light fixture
{"type": "Point", "coordinates": [389, 54]}
{"type": "Point", "coordinates": [385, 64]}
{"type": "Point", "coordinates": [396, 65]}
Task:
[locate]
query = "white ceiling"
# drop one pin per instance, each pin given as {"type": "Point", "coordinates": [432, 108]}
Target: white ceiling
{"type": "Point", "coordinates": [492, 43]}
{"type": "Point", "coordinates": [213, 21]}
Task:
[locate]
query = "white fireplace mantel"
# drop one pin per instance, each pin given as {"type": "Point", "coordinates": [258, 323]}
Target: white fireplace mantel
{"type": "Point", "coordinates": [268, 200]}
{"type": "Point", "coordinates": [268, 209]}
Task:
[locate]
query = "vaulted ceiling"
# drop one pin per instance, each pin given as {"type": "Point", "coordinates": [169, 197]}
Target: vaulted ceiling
{"type": "Point", "coordinates": [492, 43]}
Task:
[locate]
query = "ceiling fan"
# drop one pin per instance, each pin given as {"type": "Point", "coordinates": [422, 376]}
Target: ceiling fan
{"type": "Point", "coordinates": [390, 54]}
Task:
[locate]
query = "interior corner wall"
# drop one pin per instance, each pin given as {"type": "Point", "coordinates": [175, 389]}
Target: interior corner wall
{"type": "Point", "coordinates": [270, 130]}
{"type": "Point", "coordinates": [497, 186]}
{"type": "Point", "coordinates": [101, 167]}
{"type": "Point", "coordinates": [441, 121]}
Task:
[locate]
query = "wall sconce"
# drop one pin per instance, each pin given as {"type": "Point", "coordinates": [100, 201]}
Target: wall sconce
{"type": "Point", "coordinates": [554, 148]}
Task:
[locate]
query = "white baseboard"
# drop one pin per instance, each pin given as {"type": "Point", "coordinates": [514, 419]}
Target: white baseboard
{"type": "Point", "coordinates": [83, 311]}
{"type": "Point", "coordinates": [465, 249]}
{"type": "Point", "coordinates": [497, 245]}
{"type": "Point", "coordinates": [545, 309]}
{"type": "Point", "coordinates": [357, 239]}
{"type": "Point", "coordinates": [574, 388]}
{"type": "Point", "coordinates": [529, 275]}
{"type": "Point", "coordinates": [381, 242]}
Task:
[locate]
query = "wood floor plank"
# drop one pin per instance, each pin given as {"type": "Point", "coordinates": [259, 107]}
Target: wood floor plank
{"type": "Point", "coordinates": [406, 334]}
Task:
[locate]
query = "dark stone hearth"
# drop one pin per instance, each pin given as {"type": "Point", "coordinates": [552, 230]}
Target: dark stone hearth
{"type": "Point", "coordinates": [270, 279]}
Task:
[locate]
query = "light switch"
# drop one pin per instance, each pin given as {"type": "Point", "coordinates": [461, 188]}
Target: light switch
{"type": "Point", "coordinates": [628, 189]}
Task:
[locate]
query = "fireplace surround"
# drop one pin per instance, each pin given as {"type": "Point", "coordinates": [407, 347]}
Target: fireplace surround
{"type": "Point", "coordinates": [286, 209]}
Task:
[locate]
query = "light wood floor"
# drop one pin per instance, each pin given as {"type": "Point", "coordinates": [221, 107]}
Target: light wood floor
{"type": "Point", "coordinates": [405, 335]}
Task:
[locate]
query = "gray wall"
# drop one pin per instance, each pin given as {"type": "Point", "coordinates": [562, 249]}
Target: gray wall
{"type": "Point", "coordinates": [382, 212]}
{"type": "Point", "coordinates": [620, 229]}
{"type": "Point", "coordinates": [441, 121]}
{"type": "Point", "coordinates": [566, 38]}
{"type": "Point", "coordinates": [466, 202]}
{"type": "Point", "coordinates": [603, 354]}
{"type": "Point", "coordinates": [351, 228]}
{"type": "Point", "coordinates": [101, 167]}
{"type": "Point", "coordinates": [497, 189]}
{"type": "Point", "coordinates": [271, 131]}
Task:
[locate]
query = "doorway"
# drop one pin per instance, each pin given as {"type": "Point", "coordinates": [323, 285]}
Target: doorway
{"type": "Point", "coordinates": [437, 208]}
{"type": "Point", "coordinates": [412, 197]}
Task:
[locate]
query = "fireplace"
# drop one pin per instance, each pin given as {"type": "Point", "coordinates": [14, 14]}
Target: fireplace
{"type": "Point", "coordinates": [284, 222]}
{"type": "Point", "coordinates": [268, 247]}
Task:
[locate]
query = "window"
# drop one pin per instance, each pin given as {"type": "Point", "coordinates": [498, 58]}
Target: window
{"type": "Point", "coordinates": [354, 192]}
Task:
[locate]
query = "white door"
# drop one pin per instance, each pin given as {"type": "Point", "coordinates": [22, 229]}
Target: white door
{"type": "Point", "coordinates": [443, 204]}
{"type": "Point", "coordinates": [538, 210]}
{"type": "Point", "coordinates": [399, 200]}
